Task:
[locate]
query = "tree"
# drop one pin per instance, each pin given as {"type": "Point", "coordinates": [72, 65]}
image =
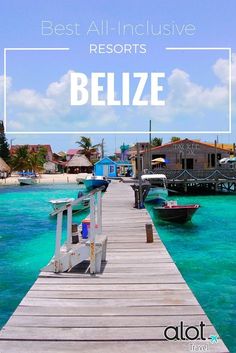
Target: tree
{"type": "Point", "coordinates": [4, 146]}
{"type": "Point", "coordinates": [42, 154]}
{"type": "Point", "coordinates": [25, 160]}
{"type": "Point", "coordinates": [21, 158]}
{"type": "Point", "coordinates": [157, 141]}
{"type": "Point", "coordinates": [86, 145]}
{"type": "Point", "coordinates": [36, 161]}
{"type": "Point", "coordinates": [175, 138]}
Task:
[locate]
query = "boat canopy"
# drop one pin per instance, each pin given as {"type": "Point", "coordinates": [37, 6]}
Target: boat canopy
{"type": "Point", "coordinates": [153, 176]}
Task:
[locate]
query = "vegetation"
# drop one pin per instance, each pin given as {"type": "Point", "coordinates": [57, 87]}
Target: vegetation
{"type": "Point", "coordinates": [4, 146]}
{"type": "Point", "coordinates": [23, 159]}
{"type": "Point", "coordinates": [86, 145]}
{"type": "Point", "coordinates": [175, 138]}
{"type": "Point", "coordinates": [157, 141]}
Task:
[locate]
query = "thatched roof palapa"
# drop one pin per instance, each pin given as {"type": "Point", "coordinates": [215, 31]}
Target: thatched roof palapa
{"type": "Point", "coordinates": [3, 166]}
{"type": "Point", "coordinates": [79, 161]}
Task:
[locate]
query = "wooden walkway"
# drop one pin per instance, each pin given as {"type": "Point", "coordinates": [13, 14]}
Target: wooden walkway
{"type": "Point", "coordinates": [125, 309]}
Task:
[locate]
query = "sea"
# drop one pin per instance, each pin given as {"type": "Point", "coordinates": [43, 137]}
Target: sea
{"type": "Point", "coordinates": [204, 249]}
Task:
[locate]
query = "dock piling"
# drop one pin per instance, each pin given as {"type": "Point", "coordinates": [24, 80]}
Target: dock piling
{"type": "Point", "coordinates": [149, 232]}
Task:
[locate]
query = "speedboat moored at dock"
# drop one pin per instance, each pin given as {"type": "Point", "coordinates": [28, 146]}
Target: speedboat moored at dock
{"type": "Point", "coordinates": [172, 212]}
{"type": "Point", "coordinates": [158, 189]}
{"type": "Point", "coordinates": [59, 203]}
{"type": "Point", "coordinates": [93, 182]}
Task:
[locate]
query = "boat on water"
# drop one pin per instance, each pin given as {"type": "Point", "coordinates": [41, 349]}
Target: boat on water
{"type": "Point", "coordinates": [81, 177]}
{"type": "Point", "coordinates": [156, 193]}
{"type": "Point", "coordinates": [27, 180]}
{"type": "Point", "coordinates": [158, 189]}
{"type": "Point", "coordinates": [59, 203]}
{"type": "Point", "coordinates": [92, 182]}
{"type": "Point", "coordinates": [172, 212]}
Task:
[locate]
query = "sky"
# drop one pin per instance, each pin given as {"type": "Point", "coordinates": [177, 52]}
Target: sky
{"type": "Point", "coordinates": [195, 86]}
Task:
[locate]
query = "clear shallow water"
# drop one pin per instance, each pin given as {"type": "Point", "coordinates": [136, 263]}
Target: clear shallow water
{"type": "Point", "coordinates": [205, 253]}
{"type": "Point", "coordinates": [27, 238]}
{"type": "Point", "coordinates": [204, 250]}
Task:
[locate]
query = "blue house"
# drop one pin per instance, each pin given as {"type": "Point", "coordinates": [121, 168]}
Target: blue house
{"type": "Point", "coordinates": [109, 168]}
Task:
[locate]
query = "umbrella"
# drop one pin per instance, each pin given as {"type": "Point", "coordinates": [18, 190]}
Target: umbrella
{"type": "Point", "coordinates": [158, 160]}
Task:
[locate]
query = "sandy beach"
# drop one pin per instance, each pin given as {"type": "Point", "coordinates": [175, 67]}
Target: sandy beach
{"type": "Point", "coordinates": [42, 179]}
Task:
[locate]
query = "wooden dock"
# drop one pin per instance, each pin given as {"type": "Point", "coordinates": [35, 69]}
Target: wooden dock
{"type": "Point", "coordinates": [124, 309]}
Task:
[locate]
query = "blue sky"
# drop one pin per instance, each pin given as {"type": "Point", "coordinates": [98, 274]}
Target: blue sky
{"type": "Point", "coordinates": [195, 86]}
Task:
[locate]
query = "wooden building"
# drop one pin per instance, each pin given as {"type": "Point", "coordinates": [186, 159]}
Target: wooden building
{"type": "Point", "coordinates": [186, 154]}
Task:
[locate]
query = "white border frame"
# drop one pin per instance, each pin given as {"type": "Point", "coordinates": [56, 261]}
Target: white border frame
{"type": "Point", "coordinates": [229, 50]}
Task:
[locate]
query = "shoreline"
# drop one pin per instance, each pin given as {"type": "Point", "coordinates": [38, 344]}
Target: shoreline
{"type": "Point", "coordinates": [42, 179]}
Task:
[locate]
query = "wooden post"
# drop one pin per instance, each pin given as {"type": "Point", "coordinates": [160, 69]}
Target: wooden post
{"type": "Point", "coordinates": [75, 234]}
{"type": "Point", "coordinates": [215, 153]}
{"type": "Point", "coordinates": [58, 243]}
{"type": "Point", "coordinates": [69, 227]}
{"type": "Point", "coordinates": [92, 236]}
{"type": "Point", "coordinates": [140, 203]}
{"type": "Point", "coordinates": [150, 145]}
{"type": "Point", "coordinates": [99, 212]}
{"type": "Point", "coordinates": [149, 232]}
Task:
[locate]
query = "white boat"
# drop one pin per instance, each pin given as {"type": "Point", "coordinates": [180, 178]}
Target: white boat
{"type": "Point", "coordinates": [27, 180]}
{"type": "Point", "coordinates": [59, 203]}
{"type": "Point", "coordinates": [81, 177]}
{"type": "Point", "coordinates": [158, 188]}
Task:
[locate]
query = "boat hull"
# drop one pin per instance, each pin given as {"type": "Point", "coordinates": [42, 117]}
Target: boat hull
{"type": "Point", "coordinates": [27, 181]}
{"type": "Point", "coordinates": [59, 203]}
{"type": "Point", "coordinates": [81, 177]}
{"type": "Point", "coordinates": [156, 193]}
{"type": "Point", "coordinates": [95, 183]}
{"type": "Point", "coordinates": [177, 214]}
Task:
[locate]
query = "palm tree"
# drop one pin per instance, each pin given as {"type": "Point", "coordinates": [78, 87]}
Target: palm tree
{"type": "Point", "coordinates": [25, 160]}
{"type": "Point", "coordinates": [20, 159]}
{"type": "Point", "coordinates": [36, 162]}
{"type": "Point", "coordinates": [86, 145]}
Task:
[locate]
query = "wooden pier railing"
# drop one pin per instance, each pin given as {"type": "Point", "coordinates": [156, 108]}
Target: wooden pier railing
{"type": "Point", "coordinates": [220, 173]}
{"type": "Point", "coordinates": [68, 255]}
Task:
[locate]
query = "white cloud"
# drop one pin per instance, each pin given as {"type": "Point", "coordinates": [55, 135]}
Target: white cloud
{"type": "Point", "coordinates": [221, 70]}
{"type": "Point", "coordinates": [52, 110]}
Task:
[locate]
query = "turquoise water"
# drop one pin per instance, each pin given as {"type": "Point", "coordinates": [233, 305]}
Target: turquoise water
{"type": "Point", "coordinates": [27, 238]}
{"type": "Point", "coordinates": [205, 253]}
{"type": "Point", "coordinates": [204, 250]}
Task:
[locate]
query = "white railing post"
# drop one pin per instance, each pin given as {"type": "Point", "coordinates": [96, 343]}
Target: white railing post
{"type": "Point", "coordinates": [69, 227]}
{"type": "Point", "coordinates": [99, 212]}
{"type": "Point", "coordinates": [92, 236]}
{"type": "Point", "coordinates": [58, 243]}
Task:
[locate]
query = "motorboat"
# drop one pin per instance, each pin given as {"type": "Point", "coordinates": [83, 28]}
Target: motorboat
{"type": "Point", "coordinates": [158, 189]}
{"type": "Point", "coordinates": [27, 180]}
{"type": "Point", "coordinates": [59, 203]}
{"type": "Point", "coordinates": [92, 182]}
{"type": "Point", "coordinates": [81, 177]}
{"type": "Point", "coordinates": [155, 179]}
{"type": "Point", "coordinates": [156, 193]}
{"type": "Point", "coordinates": [172, 212]}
